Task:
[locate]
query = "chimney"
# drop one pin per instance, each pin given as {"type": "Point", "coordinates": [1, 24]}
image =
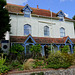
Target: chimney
{"type": "Point", "coordinates": [37, 7]}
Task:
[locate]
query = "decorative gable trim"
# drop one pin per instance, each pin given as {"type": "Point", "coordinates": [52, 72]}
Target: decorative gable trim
{"type": "Point", "coordinates": [69, 40]}
{"type": "Point", "coordinates": [29, 38]}
{"type": "Point", "coordinates": [27, 7]}
{"type": "Point", "coordinates": [60, 14]}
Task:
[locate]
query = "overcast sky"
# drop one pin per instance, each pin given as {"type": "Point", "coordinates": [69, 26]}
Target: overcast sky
{"type": "Point", "coordinates": [67, 6]}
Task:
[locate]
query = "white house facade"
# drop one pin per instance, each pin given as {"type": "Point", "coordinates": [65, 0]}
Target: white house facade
{"type": "Point", "coordinates": [41, 26]}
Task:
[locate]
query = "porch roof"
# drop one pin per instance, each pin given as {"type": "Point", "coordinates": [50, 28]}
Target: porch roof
{"type": "Point", "coordinates": [41, 40]}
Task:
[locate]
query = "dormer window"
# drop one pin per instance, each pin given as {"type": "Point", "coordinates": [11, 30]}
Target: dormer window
{"type": "Point", "coordinates": [27, 11]}
{"type": "Point", "coordinates": [61, 15]}
{"type": "Point", "coordinates": [61, 19]}
{"type": "Point", "coordinates": [27, 14]}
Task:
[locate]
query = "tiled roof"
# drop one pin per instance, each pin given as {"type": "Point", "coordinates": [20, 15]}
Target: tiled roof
{"type": "Point", "coordinates": [41, 40]}
{"type": "Point", "coordinates": [42, 12]}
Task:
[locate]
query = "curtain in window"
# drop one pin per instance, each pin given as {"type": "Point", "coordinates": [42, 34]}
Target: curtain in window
{"type": "Point", "coordinates": [62, 32]}
{"type": "Point", "coordinates": [46, 31]}
{"type": "Point", "coordinates": [27, 29]}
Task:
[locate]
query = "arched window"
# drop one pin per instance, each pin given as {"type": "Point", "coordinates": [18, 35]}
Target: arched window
{"type": "Point", "coordinates": [27, 29]}
{"type": "Point", "coordinates": [62, 32]}
{"type": "Point", "coordinates": [46, 31]}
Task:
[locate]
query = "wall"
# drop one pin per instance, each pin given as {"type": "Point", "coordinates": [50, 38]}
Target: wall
{"type": "Point", "coordinates": [69, 71]}
{"type": "Point", "coordinates": [37, 24]}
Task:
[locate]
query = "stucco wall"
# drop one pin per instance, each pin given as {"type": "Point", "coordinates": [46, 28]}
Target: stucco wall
{"type": "Point", "coordinates": [37, 26]}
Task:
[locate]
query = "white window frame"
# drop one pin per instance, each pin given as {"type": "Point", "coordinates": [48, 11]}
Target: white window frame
{"type": "Point", "coordinates": [46, 31]}
{"type": "Point", "coordinates": [62, 32]}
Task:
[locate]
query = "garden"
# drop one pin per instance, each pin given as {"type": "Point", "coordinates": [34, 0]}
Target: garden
{"type": "Point", "coordinates": [16, 59]}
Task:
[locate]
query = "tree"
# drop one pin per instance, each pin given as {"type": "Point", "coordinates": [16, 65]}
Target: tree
{"type": "Point", "coordinates": [74, 19]}
{"type": "Point", "coordinates": [16, 50]}
{"type": "Point", "coordinates": [4, 19]}
{"type": "Point", "coordinates": [35, 50]}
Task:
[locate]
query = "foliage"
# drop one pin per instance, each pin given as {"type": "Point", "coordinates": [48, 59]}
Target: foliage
{"type": "Point", "coordinates": [35, 50]}
{"type": "Point", "coordinates": [39, 64]}
{"type": "Point", "coordinates": [74, 19]}
{"type": "Point", "coordinates": [15, 63]}
{"type": "Point", "coordinates": [2, 60]}
{"type": "Point", "coordinates": [4, 19]}
{"type": "Point", "coordinates": [21, 58]}
{"type": "Point", "coordinates": [28, 64]}
{"type": "Point", "coordinates": [3, 69]}
{"type": "Point", "coordinates": [16, 50]}
{"type": "Point", "coordinates": [65, 49]}
{"type": "Point", "coordinates": [73, 56]}
{"type": "Point", "coordinates": [58, 60]}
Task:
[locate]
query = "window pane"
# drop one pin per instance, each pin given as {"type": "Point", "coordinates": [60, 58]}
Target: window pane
{"type": "Point", "coordinates": [27, 14]}
{"type": "Point", "coordinates": [62, 32]}
{"type": "Point", "coordinates": [27, 29]}
{"type": "Point", "coordinates": [46, 31]}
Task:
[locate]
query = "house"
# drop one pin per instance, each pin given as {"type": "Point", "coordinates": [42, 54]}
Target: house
{"type": "Point", "coordinates": [30, 26]}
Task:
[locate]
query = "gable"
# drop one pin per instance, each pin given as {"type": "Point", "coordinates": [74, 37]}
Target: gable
{"type": "Point", "coordinates": [68, 41]}
{"type": "Point", "coordinates": [29, 40]}
{"type": "Point", "coordinates": [60, 14]}
{"type": "Point", "coordinates": [27, 8]}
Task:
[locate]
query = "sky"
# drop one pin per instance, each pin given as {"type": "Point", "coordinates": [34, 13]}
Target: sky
{"type": "Point", "coordinates": [67, 6]}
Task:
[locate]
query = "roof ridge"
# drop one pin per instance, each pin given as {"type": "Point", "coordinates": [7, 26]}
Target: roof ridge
{"type": "Point", "coordinates": [39, 9]}
{"type": "Point", "coordinates": [14, 4]}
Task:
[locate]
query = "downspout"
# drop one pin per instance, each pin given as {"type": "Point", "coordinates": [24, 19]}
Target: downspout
{"type": "Point", "coordinates": [17, 25]}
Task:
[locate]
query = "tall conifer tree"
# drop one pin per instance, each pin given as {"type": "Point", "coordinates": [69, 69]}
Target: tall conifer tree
{"type": "Point", "coordinates": [74, 22]}
{"type": "Point", "coordinates": [4, 19]}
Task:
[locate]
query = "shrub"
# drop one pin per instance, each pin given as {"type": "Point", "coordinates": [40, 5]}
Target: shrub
{"type": "Point", "coordinates": [35, 50]}
{"type": "Point", "coordinates": [2, 60]}
{"type": "Point", "coordinates": [73, 56]}
{"type": "Point", "coordinates": [3, 69]}
{"type": "Point", "coordinates": [15, 63]}
{"type": "Point", "coordinates": [65, 49]}
{"type": "Point", "coordinates": [39, 64]}
{"type": "Point", "coordinates": [59, 60]}
{"type": "Point", "coordinates": [28, 64]}
{"type": "Point", "coordinates": [16, 50]}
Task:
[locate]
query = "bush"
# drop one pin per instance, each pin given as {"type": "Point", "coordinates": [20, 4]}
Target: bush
{"type": "Point", "coordinates": [59, 60]}
{"type": "Point", "coordinates": [73, 56]}
{"type": "Point", "coordinates": [16, 50]}
{"type": "Point", "coordinates": [39, 64]}
{"type": "Point", "coordinates": [2, 60]}
{"type": "Point", "coordinates": [15, 63]}
{"type": "Point", "coordinates": [28, 64]}
{"type": "Point", "coordinates": [3, 69]}
{"type": "Point", "coordinates": [65, 49]}
{"type": "Point", "coordinates": [35, 50]}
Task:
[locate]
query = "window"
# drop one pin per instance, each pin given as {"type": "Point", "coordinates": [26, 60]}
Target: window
{"type": "Point", "coordinates": [27, 29]}
{"type": "Point", "coordinates": [27, 14]}
{"type": "Point", "coordinates": [61, 19]}
{"type": "Point", "coordinates": [62, 32]}
{"type": "Point", "coordinates": [46, 31]}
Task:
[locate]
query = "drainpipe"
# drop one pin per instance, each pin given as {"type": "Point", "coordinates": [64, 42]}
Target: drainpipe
{"type": "Point", "coordinates": [17, 25]}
